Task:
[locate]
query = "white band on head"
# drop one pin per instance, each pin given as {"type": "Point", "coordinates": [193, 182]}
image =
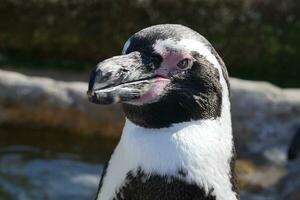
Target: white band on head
{"type": "Point", "coordinates": [126, 45]}
{"type": "Point", "coordinates": [161, 46]}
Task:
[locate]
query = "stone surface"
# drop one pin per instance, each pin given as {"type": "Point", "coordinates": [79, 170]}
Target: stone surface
{"type": "Point", "coordinates": [45, 102]}
{"type": "Point", "coordinates": [265, 120]}
{"type": "Point", "coordinates": [253, 177]}
{"type": "Point", "coordinates": [265, 117]}
{"type": "Point", "coordinates": [289, 186]}
{"type": "Point", "coordinates": [29, 178]}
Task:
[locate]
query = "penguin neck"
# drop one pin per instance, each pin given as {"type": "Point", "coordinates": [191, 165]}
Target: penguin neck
{"type": "Point", "coordinates": [220, 124]}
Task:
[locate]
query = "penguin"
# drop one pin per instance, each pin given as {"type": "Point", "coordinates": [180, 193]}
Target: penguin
{"type": "Point", "coordinates": [177, 141]}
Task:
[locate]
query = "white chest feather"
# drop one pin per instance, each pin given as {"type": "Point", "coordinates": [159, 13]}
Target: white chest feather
{"type": "Point", "coordinates": [202, 148]}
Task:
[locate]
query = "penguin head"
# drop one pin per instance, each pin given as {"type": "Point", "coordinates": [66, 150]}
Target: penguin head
{"type": "Point", "coordinates": [167, 74]}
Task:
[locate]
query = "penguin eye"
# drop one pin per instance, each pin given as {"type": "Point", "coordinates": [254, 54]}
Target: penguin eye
{"type": "Point", "coordinates": [184, 64]}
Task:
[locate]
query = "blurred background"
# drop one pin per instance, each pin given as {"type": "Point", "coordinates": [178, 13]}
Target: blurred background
{"type": "Point", "coordinates": [53, 142]}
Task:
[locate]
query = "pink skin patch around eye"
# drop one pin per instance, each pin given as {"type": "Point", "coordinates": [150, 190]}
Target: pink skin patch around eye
{"type": "Point", "coordinates": [163, 78]}
{"type": "Point", "coordinates": [170, 61]}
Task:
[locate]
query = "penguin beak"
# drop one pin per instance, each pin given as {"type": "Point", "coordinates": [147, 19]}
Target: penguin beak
{"type": "Point", "coordinates": [122, 78]}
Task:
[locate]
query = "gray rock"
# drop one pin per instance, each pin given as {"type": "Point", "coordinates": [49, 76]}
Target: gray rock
{"type": "Point", "coordinates": [264, 116]}
{"type": "Point", "coordinates": [43, 178]}
{"type": "Point", "coordinates": [30, 101]}
{"type": "Point", "coordinates": [289, 186]}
